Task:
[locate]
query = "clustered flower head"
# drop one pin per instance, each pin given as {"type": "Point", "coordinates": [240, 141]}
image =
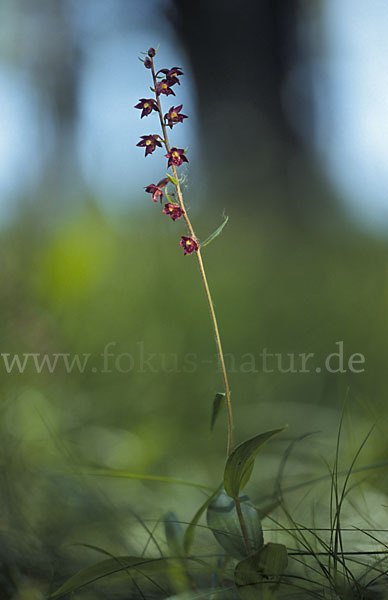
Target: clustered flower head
{"type": "Point", "coordinates": [171, 78]}
{"type": "Point", "coordinates": [172, 75]}
{"type": "Point", "coordinates": [163, 81]}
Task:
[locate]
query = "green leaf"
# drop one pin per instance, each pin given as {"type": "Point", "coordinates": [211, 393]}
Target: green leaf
{"type": "Point", "coordinates": [215, 233]}
{"type": "Point", "coordinates": [224, 522]}
{"type": "Point", "coordinates": [172, 179]}
{"type": "Point", "coordinates": [188, 538]}
{"type": "Point", "coordinates": [143, 477]}
{"type": "Point", "coordinates": [177, 571]}
{"type": "Point", "coordinates": [218, 403]}
{"type": "Point", "coordinates": [239, 465]}
{"type": "Point", "coordinates": [106, 568]}
{"type": "Point", "coordinates": [272, 559]}
{"type": "Point", "coordinates": [169, 197]}
{"type": "Point", "coordinates": [259, 574]}
{"type": "Point", "coordinates": [174, 534]}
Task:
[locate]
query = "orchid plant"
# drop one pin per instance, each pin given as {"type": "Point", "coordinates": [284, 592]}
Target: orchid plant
{"type": "Point", "coordinates": [231, 516]}
{"type": "Point", "coordinates": [239, 465]}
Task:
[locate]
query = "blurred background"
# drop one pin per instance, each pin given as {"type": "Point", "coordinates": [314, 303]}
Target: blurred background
{"type": "Point", "coordinates": [287, 134]}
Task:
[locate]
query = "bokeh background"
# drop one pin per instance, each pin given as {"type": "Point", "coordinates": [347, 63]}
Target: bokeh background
{"type": "Point", "coordinates": [287, 135]}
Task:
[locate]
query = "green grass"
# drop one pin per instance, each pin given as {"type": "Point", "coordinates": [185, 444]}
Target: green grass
{"type": "Point", "coordinates": [92, 281]}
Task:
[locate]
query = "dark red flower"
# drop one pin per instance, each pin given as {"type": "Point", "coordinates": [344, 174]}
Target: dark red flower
{"type": "Point", "coordinates": [151, 52]}
{"type": "Point", "coordinates": [148, 62]}
{"type": "Point", "coordinates": [147, 105]}
{"type": "Point", "coordinates": [172, 75]}
{"type": "Point", "coordinates": [149, 142]}
{"type": "Point", "coordinates": [156, 190]}
{"type": "Point", "coordinates": [163, 182]}
{"type": "Point", "coordinates": [176, 157]}
{"type": "Point", "coordinates": [173, 115]}
{"type": "Point", "coordinates": [173, 209]}
{"type": "Point", "coordinates": [189, 244]}
{"type": "Point", "coordinates": [163, 87]}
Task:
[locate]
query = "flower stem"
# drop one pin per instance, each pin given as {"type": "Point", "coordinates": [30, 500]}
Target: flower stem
{"type": "Point", "coordinates": [219, 350]}
{"type": "Point", "coordinates": [243, 526]}
{"type": "Point", "coordinates": [211, 309]}
{"type": "Point", "coordinates": [203, 277]}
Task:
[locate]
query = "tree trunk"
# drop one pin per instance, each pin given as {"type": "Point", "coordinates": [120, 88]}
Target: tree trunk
{"type": "Point", "coordinates": [243, 56]}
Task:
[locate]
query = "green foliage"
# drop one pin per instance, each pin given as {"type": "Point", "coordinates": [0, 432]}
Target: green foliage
{"type": "Point", "coordinates": [215, 233]}
{"type": "Point", "coordinates": [172, 179]}
{"type": "Point", "coordinates": [239, 465]}
{"type": "Point", "coordinates": [223, 520]}
{"type": "Point", "coordinates": [142, 477]}
{"type": "Point", "coordinates": [75, 288]}
{"type": "Point", "coordinates": [218, 403]}
{"type": "Point", "coordinates": [258, 576]}
{"type": "Point", "coordinates": [168, 196]}
{"type": "Point", "coordinates": [174, 534]}
{"type": "Point", "coordinates": [121, 564]}
{"type": "Point", "coordinates": [189, 535]}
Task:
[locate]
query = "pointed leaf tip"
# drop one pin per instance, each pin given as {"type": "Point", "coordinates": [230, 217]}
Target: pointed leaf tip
{"type": "Point", "coordinates": [218, 403]}
{"type": "Point", "coordinates": [239, 465]}
{"type": "Point", "coordinates": [215, 233]}
{"type": "Point", "coordinates": [189, 535]}
{"type": "Point", "coordinates": [172, 179]}
{"type": "Point", "coordinates": [168, 196]}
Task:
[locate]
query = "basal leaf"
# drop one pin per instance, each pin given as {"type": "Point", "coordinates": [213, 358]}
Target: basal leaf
{"type": "Point", "coordinates": [188, 538]}
{"type": "Point", "coordinates": [174, 533]}
{"type": "Point", "coordinates": [239, 465]}
{"type": "Point", "coordinates": [224, 522]}
{"type": "Point", "coordinates": [258, 576]}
